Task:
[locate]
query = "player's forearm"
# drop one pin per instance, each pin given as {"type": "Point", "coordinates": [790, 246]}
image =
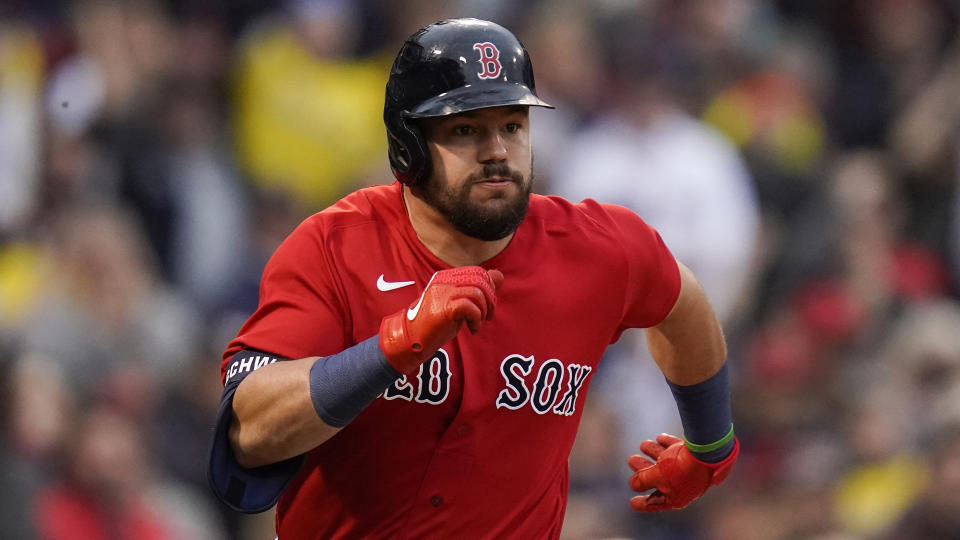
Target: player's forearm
{"type": "Point", "coordinates": [274, 416]}
{"type": "Point", "coordinates": [688, 345]}
{"type": "Point", "coordinates": [690, 350]}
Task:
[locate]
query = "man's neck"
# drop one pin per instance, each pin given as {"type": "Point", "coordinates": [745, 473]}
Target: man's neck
{"type": "Point", "coordinates": [443, 240]}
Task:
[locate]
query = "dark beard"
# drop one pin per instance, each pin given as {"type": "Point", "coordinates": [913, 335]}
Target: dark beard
{"type": "Point", "coordinates": [473, 219]}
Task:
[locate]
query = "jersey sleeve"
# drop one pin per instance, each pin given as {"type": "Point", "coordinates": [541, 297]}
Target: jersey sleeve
{"type": "Point", "coordinates": [653, 277]}
{"type": "Point", "coordinates": [301, 312]}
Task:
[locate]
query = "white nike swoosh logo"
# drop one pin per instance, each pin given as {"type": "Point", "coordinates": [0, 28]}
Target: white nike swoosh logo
{"type": "Point", "coordinates": [385, 285]}
{"type": "Point", "coordinates": [412, 312]}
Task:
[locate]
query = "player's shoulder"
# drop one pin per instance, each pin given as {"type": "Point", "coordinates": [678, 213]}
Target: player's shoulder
{"type": "Point", "coordinates": [562, 215]}
{"type": "Point", "coordinates": [373, 204]}
{"type": "Point", "coordinates": [354, 217]}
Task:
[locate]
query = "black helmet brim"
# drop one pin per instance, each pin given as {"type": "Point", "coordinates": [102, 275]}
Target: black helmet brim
{"type": "Point", "coordinates": [473, 97]}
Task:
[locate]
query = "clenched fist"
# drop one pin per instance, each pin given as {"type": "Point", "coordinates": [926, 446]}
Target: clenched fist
{"type": "Point", "coordinates": [467, 294]}
{"type": "Point", "coordinates": [677, 477]}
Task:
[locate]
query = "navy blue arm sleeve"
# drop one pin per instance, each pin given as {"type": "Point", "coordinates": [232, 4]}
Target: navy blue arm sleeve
{"type": "Point", "coordinates": [244, 490]}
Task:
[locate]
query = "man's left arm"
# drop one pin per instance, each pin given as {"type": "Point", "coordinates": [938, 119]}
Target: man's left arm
{"type": "Point", "coordinates": [688, 345]}
{"type": "Point", "coordinates": [689, 348]}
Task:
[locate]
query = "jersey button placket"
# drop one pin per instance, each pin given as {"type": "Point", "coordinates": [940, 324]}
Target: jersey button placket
{"type": "Point", "coordinates": [463, 430]}
{"type": "Point", "coordinates": [436, 500]}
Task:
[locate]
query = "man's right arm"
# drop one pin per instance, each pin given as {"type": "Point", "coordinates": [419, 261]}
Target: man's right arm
{"type": "Point", "coordinates": [274, 417]}
{"type": "Point", "coordinates": [285, 409]}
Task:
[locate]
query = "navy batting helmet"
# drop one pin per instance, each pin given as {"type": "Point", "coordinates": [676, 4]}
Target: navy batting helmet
{"type": "Point", "coordinates": [449, 67]}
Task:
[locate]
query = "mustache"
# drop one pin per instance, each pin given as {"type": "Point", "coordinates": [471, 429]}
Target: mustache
{"type": "Point", "coordinates": [497, 170]}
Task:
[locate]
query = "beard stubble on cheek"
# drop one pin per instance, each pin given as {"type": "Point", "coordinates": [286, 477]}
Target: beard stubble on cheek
{"type": "Point", "coordinates": [491, 219]}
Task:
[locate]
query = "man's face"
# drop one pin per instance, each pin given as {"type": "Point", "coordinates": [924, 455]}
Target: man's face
{"type": "Point", "coordinates": [482, 167]}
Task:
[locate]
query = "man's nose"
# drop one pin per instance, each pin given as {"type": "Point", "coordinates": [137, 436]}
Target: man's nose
{"type": "Point", "coordinates": [493, 148]}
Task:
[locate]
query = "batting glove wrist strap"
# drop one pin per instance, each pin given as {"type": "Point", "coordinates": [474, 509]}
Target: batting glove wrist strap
{"type": "Point", "coordinates": [721, 469]}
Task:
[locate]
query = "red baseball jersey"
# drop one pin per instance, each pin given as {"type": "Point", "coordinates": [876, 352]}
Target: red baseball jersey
{"type": "Point", "coordinates": [476, 444]}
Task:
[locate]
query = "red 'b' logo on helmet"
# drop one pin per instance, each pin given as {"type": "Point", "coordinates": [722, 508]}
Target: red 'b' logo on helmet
{"type": "Point", "coordinates": [489, 59]}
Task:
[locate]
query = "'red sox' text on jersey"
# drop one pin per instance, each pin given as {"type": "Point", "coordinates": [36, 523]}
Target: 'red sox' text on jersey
{"type": "Point", "coordinates": [479, 438]}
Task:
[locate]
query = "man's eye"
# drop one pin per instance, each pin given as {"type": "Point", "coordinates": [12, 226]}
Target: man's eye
{"type": "Point", "coordinates": [462, 130]}
{"type": "Point", "coordinates": [513, 127]}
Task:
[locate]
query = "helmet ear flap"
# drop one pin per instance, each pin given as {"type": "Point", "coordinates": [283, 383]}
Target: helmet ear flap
{"type": "Point", "coordinates": [407, 150]}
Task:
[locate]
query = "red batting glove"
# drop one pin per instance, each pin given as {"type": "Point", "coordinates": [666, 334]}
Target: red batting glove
{"type": "Point", "coordinates": [452, 297]}
{"type": "Point", "coordinates": [677, 476]}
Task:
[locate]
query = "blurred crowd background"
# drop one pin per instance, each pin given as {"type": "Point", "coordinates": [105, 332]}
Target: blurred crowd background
{"type": "Point", "coordinates": [800, 156]}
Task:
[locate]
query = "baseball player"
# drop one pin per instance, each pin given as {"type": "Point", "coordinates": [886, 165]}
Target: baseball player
{"type": "Point", "coordinates": [421, 353]}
